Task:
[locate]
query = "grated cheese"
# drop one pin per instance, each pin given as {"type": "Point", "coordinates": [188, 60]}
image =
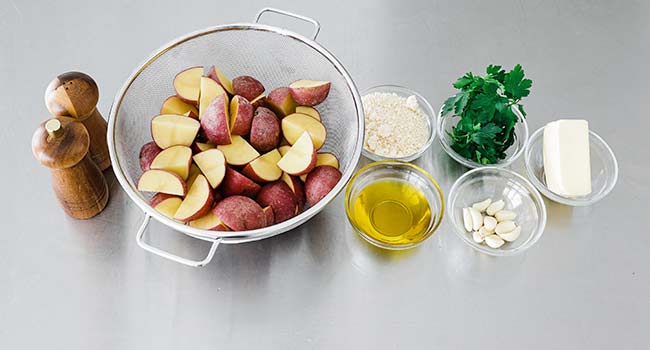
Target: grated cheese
{"type": "Point", "coordinates": [396, 127]}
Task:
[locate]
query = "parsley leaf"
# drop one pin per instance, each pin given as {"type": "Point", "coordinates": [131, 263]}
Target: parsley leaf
{"type": "Point", "coordinates": [515, 85]}
{"type": "Point", "coordinates": [486, 134]}
{"type": "Point", "coordinates": [484, 104]}
{"type": "Point", "coordinates": [463, 81]}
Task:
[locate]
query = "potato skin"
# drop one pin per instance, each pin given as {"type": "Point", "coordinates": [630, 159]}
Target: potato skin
{"type": "Point", "coordinates": [243, 116]}
{"type": "Point", "coordinates": [310, 96]}
{"type": "Point", "coordinates": [268, 216]}
{"type": "Point", "coordinates": [159, 198]}
{"type": "Point", "coordinates": [240, 213]}
{"type": "Point", "coordinates": [235, 183]}
{"type": "Point", "coordinates": [320, 182]}
{"type": "Point", "coordinates": [247, 86]}
{"type": "Point", "coordinates": [299, 192]}
{"type": "Point", "coordinates": [278, 196]}
{"type": "Point", "coordinates": [265, 130]}
{"type": "Point", "coordinates": [214, 121]}
{"type": "Point", "coordinates": [205, 208]}
{"type": "Point", "coordinates": [148, 152]}
{"type": "Point", "coordinates": [281, 101]}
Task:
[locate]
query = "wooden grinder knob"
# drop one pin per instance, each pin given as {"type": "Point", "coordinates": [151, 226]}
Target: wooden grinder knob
{"type": "Point", "coordinates": [75, 94]}
{"type": "Point", "coordinates": [62, 144]}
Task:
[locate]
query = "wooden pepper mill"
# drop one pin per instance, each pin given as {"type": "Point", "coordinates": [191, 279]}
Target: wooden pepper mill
{"type": "Point", "coordinates": [62, 145]}
{"type": "Point", "coordinates": [75, 94]}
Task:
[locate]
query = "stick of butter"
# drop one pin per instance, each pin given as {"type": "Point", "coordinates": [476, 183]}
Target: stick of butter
{"type": "Point", "coordinates": [566, 157]}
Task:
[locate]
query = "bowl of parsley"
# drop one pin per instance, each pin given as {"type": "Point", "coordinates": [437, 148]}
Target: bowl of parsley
{"type": "Point", "coordinates": [484, 124]}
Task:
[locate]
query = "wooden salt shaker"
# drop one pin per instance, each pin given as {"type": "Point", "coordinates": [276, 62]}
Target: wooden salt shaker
{"type": "Point", "coordinates": [75, 94]}
{"type": "Point", "coordinates": [62, 145]}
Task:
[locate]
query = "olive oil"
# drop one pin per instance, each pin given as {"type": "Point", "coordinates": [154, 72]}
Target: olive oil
{"type": "Point", "coordinates": [392, 212]}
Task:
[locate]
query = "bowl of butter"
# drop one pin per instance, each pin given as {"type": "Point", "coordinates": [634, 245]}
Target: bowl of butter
{"type": "Point", "coordinates": [570, 164]}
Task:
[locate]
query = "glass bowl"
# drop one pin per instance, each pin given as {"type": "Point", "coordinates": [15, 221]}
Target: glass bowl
{"type": "Point", "coordinates": [393, 170]}
{"type": "Point", "coordinates": [446, 123]}
{"type": "Point", "coordinates": [426, 109]}
{"type": "Point", "coordinates": [604, 169]}
{"type": "Point", "coordinates": [519, 196]}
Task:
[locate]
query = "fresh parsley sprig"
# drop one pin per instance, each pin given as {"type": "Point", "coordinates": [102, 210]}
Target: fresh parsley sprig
{"type": "Point", "coordinates": [484, 104]}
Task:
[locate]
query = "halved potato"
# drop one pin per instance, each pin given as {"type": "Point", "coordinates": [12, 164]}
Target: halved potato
{"type": "Point", "coordinates": [172, 129]}
{"type": "Point", "coordinates": [295, 124]}
{"type": "Point", "coordinates": [162, 181]}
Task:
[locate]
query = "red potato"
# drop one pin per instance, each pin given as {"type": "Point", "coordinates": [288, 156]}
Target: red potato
{"type": "Point", "coordinates": [176, 159]}
{"type": "Point", "coordinates": [194, 172]}
{"type": "Point", "coordinates": [248, 87]}
{"type": "Point", "coordinates": [174, 105]}
{"type": "Point", "coordinates": [166, 204]}
{"type": "Point", "coordinates": [264, 168]}
{"type": "Point", "coordinates": [300, 158]}
{"type": "Point", "coordinates": [269, 218]}
{"type": "Point", "coordinates": [278, 196]}
{"type": "Point", "coordinates": [209, 91]}
{"type": "Point", "coordinates": [309, 92]}
{"type": "Point", "coordinates": [199, 147]}
{"type": "Point", "coordinates": [238, 152]}
{"type": "Point", "coordinates": [148, 152]}
{"type": "Point", "coordinates": [240, 213]}
{"type": "Point", "coordinates": [298, 189]}
{"type": "Point", "coordinates": [197, 202]}
{"type": "Point", "coordinates": [209, 222]}
{"type": "Point", "coordinates": [235, 183]}
{"type": "Point", "coordinates": [320, 182]}
{"type": "Point", "coordinates": [264, 110]}
{"type": "Point", "coordinates": [324, 158]}
{"type": "Point", "coordinates": [265, 130]}
{"type": "Point", "coordinates": [172, 129]}
{"type": "Point", "coordinates": [188, 84]}
{"type": "Point", "coordinates": [284, 149]}
{"type": "Point", "coordinates": [214, 121]}
{"type": "Point", "coordinates": [212, 164]}
{"type": "Point", "coordinates": [310, 111]}
{"type": "Point", "coordinates": [327, 158]}
{"type": "Point", "coordinates": [295, 124]}
{"type": "Point", "coordinates": [281, 101]}
{"type": "Point", "coordinates": [162, 181]}
{"type": "Point", "coordinates": [215, 74]}
{"type": "Point", "coordinates": [241, 116]}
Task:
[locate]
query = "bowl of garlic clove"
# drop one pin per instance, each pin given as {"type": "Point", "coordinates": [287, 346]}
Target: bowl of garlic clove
{"type": "Point", "coordinates": [496, 211]}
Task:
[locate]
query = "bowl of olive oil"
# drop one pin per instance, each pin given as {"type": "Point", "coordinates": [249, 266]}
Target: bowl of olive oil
{"type": "Point", "coordinates": [394, 204]}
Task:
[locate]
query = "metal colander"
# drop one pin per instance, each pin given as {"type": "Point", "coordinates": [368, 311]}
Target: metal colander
{"type": "Point", "coordinates": [274, 56]}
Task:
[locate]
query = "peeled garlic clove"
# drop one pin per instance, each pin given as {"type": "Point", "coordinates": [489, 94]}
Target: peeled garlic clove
{"type": "Point", "coordinates": [477, 237]}
{"type": "Point", "coordinates": [477, 219]}
{"type": "Point", "coordinates": [489, 223]}
{"type": "Point", "coordinates": [494, 241]}
{"type": "Point", "coordinates": [495, 207]}
{"type": "Point", "coordinates": [512, 235]}
{"type": "Point", "coordinates": [467, 220]}
{"type": "Point", "coordinates": [481, 206]}
{"type": "Point", "coordinates": [505, 227]}
{"type": "Point", "coordinates": [505, 215]}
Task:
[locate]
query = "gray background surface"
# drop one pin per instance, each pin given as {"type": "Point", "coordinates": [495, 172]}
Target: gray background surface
{"type": "Point", "coordinates": [86, 284]}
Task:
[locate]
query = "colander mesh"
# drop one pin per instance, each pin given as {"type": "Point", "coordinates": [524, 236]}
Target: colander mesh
{"type": "Point", "coordinates": [274, 59]}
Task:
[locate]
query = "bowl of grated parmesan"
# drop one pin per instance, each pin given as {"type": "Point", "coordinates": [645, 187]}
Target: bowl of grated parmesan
{"type": "Point", "coordinates": [399, 123]}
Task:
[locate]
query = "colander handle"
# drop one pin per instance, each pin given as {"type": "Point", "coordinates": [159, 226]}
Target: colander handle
{"type": "Point", "coordinates": [290, 14]}
{"type": "Point", "coordinates": [194, 263]}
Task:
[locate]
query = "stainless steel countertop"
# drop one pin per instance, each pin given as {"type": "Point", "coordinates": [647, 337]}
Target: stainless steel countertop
{"type": "Point", "coordinates": [86, 284]}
